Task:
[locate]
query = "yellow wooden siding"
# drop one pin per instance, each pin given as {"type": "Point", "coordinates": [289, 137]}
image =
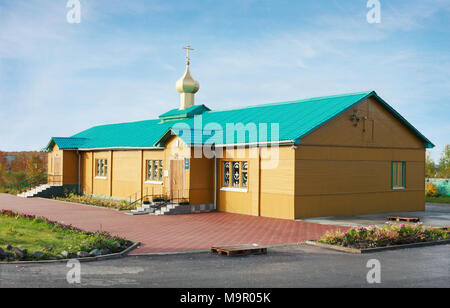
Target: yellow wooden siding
{"type": "Point", "coordinates": [201, 180]}
{"type": "Point", "coordinates": [102, 186]}
{"type": "Point", "coordinates": [270, 191]}
{"type": "Point", "coordinates": [387, 131]}
{"type": "Point", "coordinates": [87, 173]}
{"type": "Point", "coordinates": [343, 170]}
{"type": "Point", "coordinates": [154, 189]}
{"type": "Point", "coordinates": [55, 157]}
{"type": "Point", "coordinates": [62, 166]}
{"type": "Point", "coordinates": [278, 186]}
{"type": "Point", "coordinates": [70, 168]}
{"type": "Point", "coordinates": [337, 170]}
{"type": "Point", "coordinates": [233, 201]}
{"type": "Point", "coordinates": [126, 173]}
{"type": "Point", "coordinates": [358, 204]}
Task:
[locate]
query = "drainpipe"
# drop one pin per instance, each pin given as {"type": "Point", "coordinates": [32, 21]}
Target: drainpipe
{"type": "Point", "coordinates": [215, 178]}
{"type": "Point", "coordinates": [79, 172]}
{"type": "Point", "coordinates": [215, 182]}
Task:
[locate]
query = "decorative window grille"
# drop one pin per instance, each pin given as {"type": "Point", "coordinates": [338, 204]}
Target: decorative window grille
{"type": "Point", "coordinates": [226, 174]}
{"type": "Point", "coordinates": [235, 174]}
{"type": "Point", "coordinates": [154, 170]}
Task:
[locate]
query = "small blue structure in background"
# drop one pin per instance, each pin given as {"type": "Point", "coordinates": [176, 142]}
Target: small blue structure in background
{"type": "Point", "coordinates": [442, 184]}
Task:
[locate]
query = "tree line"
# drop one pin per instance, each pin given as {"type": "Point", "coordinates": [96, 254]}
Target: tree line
{"type": "Point", "coordinates": [441, 169]}
{"type": "Point", "coordinates": [18, 166]}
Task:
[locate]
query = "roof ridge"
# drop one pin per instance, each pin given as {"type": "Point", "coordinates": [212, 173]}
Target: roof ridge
{"type": "Point", "coordinates": [120, 123]}
{"type": "Point", "coordinates": [292, 102]}
{"type": "Point", "coordinates": [69, 138]}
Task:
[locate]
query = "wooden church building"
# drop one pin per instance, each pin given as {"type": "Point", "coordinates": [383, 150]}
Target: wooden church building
{"type": "Point", "coordinates": [339, 155]}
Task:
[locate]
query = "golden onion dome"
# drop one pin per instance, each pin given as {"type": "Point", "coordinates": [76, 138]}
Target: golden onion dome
{"type": "Point", "coordinates": [187, 84]}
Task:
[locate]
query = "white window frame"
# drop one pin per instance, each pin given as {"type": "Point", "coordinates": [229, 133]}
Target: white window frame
{"type": "Point", "coordinates": [101, 174]}
{"type": "Point", "coordinates": [230, 186]}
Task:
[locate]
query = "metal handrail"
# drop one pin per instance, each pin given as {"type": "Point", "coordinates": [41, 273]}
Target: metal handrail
{"type": "Point", "coordinates": [43, 177]}
{"type": "Point", "coordinates": [13, 185]}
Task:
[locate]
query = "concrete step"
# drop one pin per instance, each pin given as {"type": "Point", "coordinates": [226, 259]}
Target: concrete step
{"type": "Point", "coordinates": [135, 212]}
{"type": "Point", "coordinates": [42, 190]}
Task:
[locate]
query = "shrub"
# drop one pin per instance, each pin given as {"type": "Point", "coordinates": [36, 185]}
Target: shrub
{"type": "Point", "coordinates": [431, 190]}
{"type": "Point", "coordinates": [387, 235]}
{"type": "Point", "coordinates": [89, 200]}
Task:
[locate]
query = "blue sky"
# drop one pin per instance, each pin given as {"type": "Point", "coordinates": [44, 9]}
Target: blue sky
{"type": "Point", "coordinates": [122, 61]}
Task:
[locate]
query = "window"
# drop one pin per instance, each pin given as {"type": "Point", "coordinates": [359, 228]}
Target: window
{"type": "Point", "coordinates": [398, 174]}
{"type": "Point", "coordinates": [226, 173]}
{"type": "Point", "coordinates": [235, 174]}
{"type": "Point", "coordinates": [101, 168]}
{"type": "Point", "coordinates": [154, 170]}
{"type": "Point", "coordinates": [245, 174]}
{"type": "Point", "coordinates": [160, 170]}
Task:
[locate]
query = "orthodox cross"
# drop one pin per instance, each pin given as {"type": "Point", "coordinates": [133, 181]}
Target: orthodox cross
{"type": "Point", "coordinates": [188, 48]}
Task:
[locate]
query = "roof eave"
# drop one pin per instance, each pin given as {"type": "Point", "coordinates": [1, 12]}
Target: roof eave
{"type": "Point", "coordinates": [124, 148]}
{"type": "Point", "coordinates": [50, 145]}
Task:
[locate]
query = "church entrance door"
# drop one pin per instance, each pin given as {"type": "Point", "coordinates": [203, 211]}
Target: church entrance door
{"type": "Point", "coordinates": [176, 180]}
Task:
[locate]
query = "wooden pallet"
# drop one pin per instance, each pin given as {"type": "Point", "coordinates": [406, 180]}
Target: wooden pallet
{"type": "Point", "coordinates": [242, 250]}
{"type": "Point", "coordinates": [406, 219]}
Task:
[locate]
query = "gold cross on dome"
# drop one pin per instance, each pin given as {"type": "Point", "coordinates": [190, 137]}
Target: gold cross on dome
{"type": "Point", "coordinates": [188, 48]}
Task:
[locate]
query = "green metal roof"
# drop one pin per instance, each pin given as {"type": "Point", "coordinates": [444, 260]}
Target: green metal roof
{"type": "Point", "coordinates": [65, 143]}
{"type": "Point", "coordinates": [186, 113]}
{"type": "Point", "coordinates": [295, 120]}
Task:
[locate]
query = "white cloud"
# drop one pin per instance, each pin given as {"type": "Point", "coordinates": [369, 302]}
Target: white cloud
{"type": "Point", "coordinates": [70, 77]}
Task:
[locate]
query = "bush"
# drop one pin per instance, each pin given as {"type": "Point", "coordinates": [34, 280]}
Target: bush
{"type": "Point", "coordinates": [89, 200]}
{"type": "Point", "coordinates": [431, 190]}
{"type": "Point", "coordinates": [9, 190]}
{"type": "Point", "coordinates": [387, 235]}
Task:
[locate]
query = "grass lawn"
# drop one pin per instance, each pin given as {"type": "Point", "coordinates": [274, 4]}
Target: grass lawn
{"type": "Point", "coordinates": [51, 238]}
{"type": "Point", "coordinates": [440, 199]}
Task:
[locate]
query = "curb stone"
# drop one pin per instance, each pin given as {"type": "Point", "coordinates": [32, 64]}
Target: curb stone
{"type": "Point", "coordinates": [378, 249]}
{"type": "Point", "coordinates": [186, 252]}
{"type": "Point", "coordinates": [117, 255]}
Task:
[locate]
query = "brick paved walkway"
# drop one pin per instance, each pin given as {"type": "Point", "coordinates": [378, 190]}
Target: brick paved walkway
{"type": "Point", "coordinates": [171, 233]}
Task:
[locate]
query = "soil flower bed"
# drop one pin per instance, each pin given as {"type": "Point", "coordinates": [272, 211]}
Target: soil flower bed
{"type": "Point", "coordinates": [389, 234]}
{"type": "Point", "coordinates": [28, 238]}
{"type": "Point", "coordinates": [89, 200]}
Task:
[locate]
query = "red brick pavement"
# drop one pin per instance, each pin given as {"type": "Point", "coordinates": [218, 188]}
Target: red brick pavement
{"type": "Point", "coordinates": [171, 233]}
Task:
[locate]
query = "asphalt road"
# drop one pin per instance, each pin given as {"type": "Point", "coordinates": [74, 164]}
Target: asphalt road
{"type": "Point", "coordinates": [293, 266]}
